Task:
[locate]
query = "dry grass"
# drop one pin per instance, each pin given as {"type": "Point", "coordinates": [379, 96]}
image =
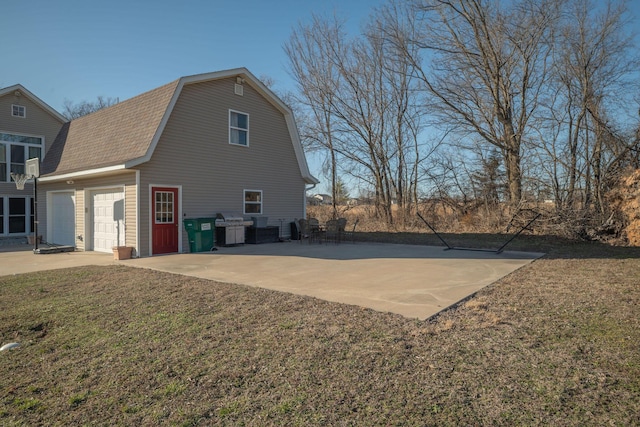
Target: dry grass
{"type": "Point", "coordinates": [555, 343]}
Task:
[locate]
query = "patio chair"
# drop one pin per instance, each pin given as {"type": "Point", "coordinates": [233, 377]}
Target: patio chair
{"type": "Point", "coordinates": [296, 231]}
{"type": "Point", "coordinates": [303, 230]}
{"type": "Point", "coordinates": [351, 234]}
{"type": "Point", "coordinates": [315, 231]}
{"type": "Point", "coordinates": [332, 231]}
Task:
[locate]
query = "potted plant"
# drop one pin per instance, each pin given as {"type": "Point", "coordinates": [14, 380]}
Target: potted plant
{"type": "Point", "coordinates": [30, 239]}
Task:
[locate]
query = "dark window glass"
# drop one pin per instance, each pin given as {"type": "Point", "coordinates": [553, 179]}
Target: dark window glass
{"type": "Point", "coordinates": [33, 218]}
{"type": "Point", "coordinates": [9, 137]}
{"type": "Point", "coordinates": [17, 206]}
{"type": "Point", "coordinates": [34, 152]}
{"type": "Point", "coordinates": [17, 159]}
{"type": "Point", "coordinates": [3, 163]}
{"type": "Point", "coordinates": [17, 211]}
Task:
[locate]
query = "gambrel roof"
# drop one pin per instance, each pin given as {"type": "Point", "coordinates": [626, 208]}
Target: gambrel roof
{"type": "Point", "coordinates": [125, 135]}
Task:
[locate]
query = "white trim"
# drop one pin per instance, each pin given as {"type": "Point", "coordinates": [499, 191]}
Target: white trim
{"type": "Point", "coordinates": [24, 111]}
{"type": "Point", "coordinates": [159, 131]}
{"type": "Point", "coordinates": [4, 200]}
{"type": "Point", "coordinates": [249, 79]}
{"type": "Point", "coordinates": [88, 205]}
{"type": "Point", "coordinates": [244, 202]}
{"type": "Point", "coordinates": [31, 135]}
{"type": "Point", "coordinates": [24, 92]}
{"type": "Point", "coordinates": [26, 145]}
{"type": "Point", "coordinates": [137, 215]}
{"type": "Point", "coordinates": [299, 152]}
{"type": "Point", "coordinates": [257, 85]}
{"type": "Point", "coordinates": [49, 201]}
{"type": "Point", "coordinates": [178, 219]}
{"type": "Point", "coordinates": [83, 174]}
{"type": "Point", "coordinates": [85, 194]}
{"type": "Point", "coordinates": [231, 111]}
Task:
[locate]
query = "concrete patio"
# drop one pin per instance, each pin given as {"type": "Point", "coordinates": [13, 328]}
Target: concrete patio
{"type": "Point", "coordinates": [413, 281]}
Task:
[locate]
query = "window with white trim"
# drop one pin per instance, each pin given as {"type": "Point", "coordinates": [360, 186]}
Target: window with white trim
{"type": "Point", "coordinates": [238, 128]}
{"type": "Point", "coordinates": [18, 111]}
{"type": "Point", "coordinates": [164, 207]}
{"type": "Point", "coordinates": [14, 151]}
{"type": "Point", "coordinates": [253, 201]}
{"type": "Point", "coordinates": [16, 215]}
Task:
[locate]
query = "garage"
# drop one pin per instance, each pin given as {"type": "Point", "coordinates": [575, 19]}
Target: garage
{"type": "Point", "coordinates": [107, 207]}
{"type": "Point", "coordinates": [62, 218]}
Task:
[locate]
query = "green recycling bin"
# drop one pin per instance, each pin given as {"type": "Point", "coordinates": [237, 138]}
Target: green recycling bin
{"type": "Point", "coordinates": [201, 234]}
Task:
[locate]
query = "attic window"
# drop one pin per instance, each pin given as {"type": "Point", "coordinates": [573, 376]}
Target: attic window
{"type": "Point", "coordinates": [18, 111]}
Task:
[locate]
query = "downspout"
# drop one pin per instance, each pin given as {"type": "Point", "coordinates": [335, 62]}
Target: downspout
{"type": "Point", "coordinates": [304, 211]}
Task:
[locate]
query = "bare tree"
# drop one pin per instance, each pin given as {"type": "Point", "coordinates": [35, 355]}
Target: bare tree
{"type": "Point", "coordinates": [74, 110]}
{"type": "Point", "coordinates": [485, 66]}
{"type": "Point", "coordinates": [582, 127]}
{"type": "Point", "coordinates": [361, 108]}
{"type": "Point", "coordinates": [309, 50]}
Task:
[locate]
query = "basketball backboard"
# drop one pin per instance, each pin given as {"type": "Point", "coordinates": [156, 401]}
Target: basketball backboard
{"type": "Point", "coordinates": [32, 167]}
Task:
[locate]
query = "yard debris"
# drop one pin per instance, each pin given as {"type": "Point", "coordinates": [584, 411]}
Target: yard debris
{"type": "Point", "coordinates": [9, 346]}
{"type": "Point", "coordinates": [625, 201]}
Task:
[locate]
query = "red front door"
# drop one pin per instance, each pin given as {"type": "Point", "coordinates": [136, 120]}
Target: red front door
{"type": "Point", "coordinates": [164, 207]}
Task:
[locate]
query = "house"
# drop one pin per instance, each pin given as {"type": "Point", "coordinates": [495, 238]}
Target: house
{"type": "Point", "coordinates": [28, 128]}
{"type": "Point", "coordinates": [320, 199]}
{"type": "Point", "coordinates": [131, 173]}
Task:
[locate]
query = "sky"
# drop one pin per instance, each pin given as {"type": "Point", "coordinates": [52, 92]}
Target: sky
{"type": "Point", "coordinates": [78, 50]}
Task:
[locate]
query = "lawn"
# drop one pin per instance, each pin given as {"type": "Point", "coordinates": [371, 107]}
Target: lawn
{"type": "Point", "coordinates": [554, 343]}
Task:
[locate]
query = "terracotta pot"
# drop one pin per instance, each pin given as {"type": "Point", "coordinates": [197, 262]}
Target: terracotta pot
{"type": "Point", "coordinates": [122, 252]}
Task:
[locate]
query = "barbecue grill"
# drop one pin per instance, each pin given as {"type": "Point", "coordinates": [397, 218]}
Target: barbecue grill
{"type": "Point", "coordinates": [230, 228]}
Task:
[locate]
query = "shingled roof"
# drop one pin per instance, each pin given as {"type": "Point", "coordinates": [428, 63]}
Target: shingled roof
{"type": "Point", "coordinates": [111, 136]}
{"type": "Point", "coordinates": [125, 134]}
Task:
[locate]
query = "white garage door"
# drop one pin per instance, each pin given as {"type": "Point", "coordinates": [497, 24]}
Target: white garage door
{"type": "Point", "coordinates": [108, 219]}
{"type": "Point", "coordinates": [63, 222]}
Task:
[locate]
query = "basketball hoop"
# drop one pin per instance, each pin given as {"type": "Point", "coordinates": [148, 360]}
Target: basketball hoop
{"type": "Point", "coordinates": [20, 179]}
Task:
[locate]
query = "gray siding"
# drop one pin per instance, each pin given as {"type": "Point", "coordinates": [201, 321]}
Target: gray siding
{"type": "Point", "coordinates": [194, 153]}
{"type": "Point", "coordinates": [38, 122]}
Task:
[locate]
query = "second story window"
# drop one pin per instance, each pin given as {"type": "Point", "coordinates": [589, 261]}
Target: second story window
{"type": "Point", "coordinates": [238, 128]}
{"type": "Point", "coordinates": [18, 111]}
{"type": "Point", "coordinates": [14, 151]}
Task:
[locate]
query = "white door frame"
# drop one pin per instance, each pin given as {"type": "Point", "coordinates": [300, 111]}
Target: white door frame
{"type": "Point", "coordinates": [88, 202]}
{"type": "Point", "coordinates": [49, 198]}
{"type": "Point", "coordinates": [150, 215]}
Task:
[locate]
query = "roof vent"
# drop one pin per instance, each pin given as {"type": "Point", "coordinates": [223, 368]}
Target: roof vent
{"type": "Point", "coordinates": [239, 89]}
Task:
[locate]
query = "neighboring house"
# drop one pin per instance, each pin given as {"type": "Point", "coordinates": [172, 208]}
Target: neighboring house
{"type": "Point", "coordinates": [130, 173]}
{"type": "Point", "coordinates": [320, 199]}
{"type": "Point", "coordinates": [28, 127]}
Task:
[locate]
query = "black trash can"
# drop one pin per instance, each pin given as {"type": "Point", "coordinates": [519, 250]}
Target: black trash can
{"type": "Point", "coordinates": [295, 232]}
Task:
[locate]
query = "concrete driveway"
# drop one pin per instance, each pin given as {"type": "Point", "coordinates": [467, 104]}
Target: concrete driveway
{"type": "Point", "coordinates": [414, 281]}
